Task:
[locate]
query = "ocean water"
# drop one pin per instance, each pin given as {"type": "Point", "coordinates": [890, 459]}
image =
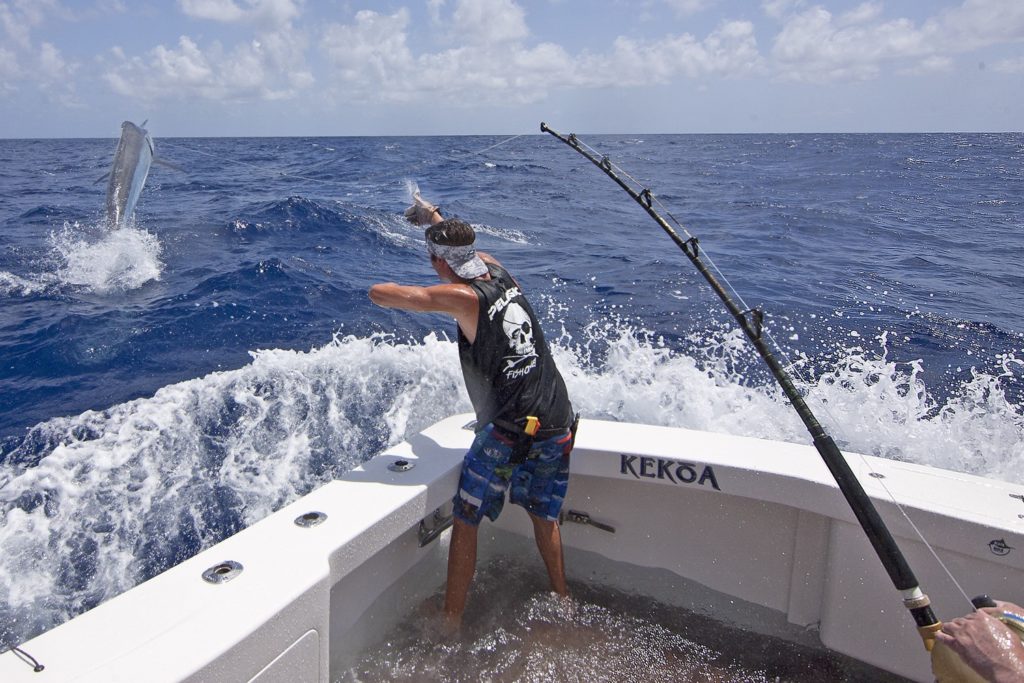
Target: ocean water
{"type": "Point", "coordinates": [164, 385]}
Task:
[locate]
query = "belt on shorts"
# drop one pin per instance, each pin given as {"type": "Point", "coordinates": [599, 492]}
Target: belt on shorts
{"type": "Point", "coordinates": [525, 431]}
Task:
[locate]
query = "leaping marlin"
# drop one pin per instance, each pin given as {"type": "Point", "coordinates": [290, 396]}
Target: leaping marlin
{"type": "Point", "coordinates": [128, 173]}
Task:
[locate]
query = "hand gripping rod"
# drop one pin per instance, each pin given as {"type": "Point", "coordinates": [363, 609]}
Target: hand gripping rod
{"type": "Point", "coordinates": [881, 539]}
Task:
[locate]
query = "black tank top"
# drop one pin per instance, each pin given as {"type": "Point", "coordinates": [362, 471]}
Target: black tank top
{"type": "Point", "coordinates": [508, 369]}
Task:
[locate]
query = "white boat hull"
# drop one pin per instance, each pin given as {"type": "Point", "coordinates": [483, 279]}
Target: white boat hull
{"type": "Point", "coordinates": [756, 520]}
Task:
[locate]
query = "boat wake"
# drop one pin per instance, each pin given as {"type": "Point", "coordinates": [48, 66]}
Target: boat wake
{"type": "Point", "coordinates": [95, 503]}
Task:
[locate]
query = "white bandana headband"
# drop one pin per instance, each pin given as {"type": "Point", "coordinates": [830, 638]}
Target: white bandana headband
{"type": "Point", "coordinates": [462, 259]}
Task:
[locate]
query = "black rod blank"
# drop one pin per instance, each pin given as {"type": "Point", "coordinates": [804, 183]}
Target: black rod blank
{"type": "Point", "coordinates": [867, 515]}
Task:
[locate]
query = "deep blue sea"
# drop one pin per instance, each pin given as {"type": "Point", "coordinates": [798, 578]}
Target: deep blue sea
{"type": "Point", "coordinates": [164, 385]}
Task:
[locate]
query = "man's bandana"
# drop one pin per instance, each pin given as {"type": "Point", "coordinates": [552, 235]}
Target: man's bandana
{"type": "Point", "coordinates": [462, 259]}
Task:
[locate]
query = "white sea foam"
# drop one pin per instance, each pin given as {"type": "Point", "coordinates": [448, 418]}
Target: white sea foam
{"type": "Point", "coordinates": [506, 234]}
{"type": "Point", "coordinates": [118, 260]}
{"type": "Point", "coordinates": [229, 446]}
{"type": "Point", "coordinates": [15, 285]}
{"type": "Point", "coordinates": [203, 457]}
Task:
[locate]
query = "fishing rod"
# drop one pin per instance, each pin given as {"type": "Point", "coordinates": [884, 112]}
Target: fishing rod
{"type": "Point", "coordinates": [751, 322]}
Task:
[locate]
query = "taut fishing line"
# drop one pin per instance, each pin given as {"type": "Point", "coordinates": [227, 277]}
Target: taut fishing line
{"type": "Point", "coordinates": [648, 200]}
{"type": "Point", "coordinates": [339, 183]}
{"type": "Point", "coordinates": [641, 189]}
{"type": "Point", "coordinates": [791, 366]}
{"type": "Point", "coordinates": [751, 323]}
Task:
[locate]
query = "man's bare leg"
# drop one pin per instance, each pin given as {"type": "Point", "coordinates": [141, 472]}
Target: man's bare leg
{"type": "Point", "coordinates": [461, 567]}
{"type": "Point", "coordinates": [549, 543]}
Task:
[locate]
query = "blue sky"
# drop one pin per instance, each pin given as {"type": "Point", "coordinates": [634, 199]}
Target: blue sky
{"type": "Point", "coordinates": [410, 67]}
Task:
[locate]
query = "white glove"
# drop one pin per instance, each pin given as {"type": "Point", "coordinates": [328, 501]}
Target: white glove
{"type": "Point", "coordinates": [421, 212]}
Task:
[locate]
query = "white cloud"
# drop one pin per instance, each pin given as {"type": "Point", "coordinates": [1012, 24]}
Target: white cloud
{"type": "Point", "coordinates": [493, 63]}
{"type": "Point", "coordinates": [270, 66]}
{"type": "Point", "coordinates": [52, 64]}
{"type": "Point", "coordinates": [57, 74]}
{"type": "Point", "coordinates": [40, 64]}
{"type": "Point", "coordinates": [865, 12]}
{"type": "Point", "coordinates": [19, 17]}
{"type": "Point", "coordinates": [268, 13]}
{"type": "Point", "coordinates": [489, 22]}
{"type": "Point", "coordinates": [688, 7]}
{"type": "Point", "coordinates": [730, 50]}
{"type": "Point", "coordinates": [372, 53]}
{"type": "Point", "coordinates": [10, 72]}
{"type": "Point", "coordinates": [434, 10]}
{"type": "Point", "coordinates": [215, 10]}
{"type": "Point", "coordinates": [813, 45]}
{"type": "Point", "coordinates": [776, 9]}
{"type": "Point", "coordinates": [979, 23]}
{"type": "Point", "coordinates": [1010, 66]}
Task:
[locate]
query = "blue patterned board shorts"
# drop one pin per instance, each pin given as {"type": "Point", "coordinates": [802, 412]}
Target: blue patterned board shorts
{"type": "Point", "coordinates": [537, 484]}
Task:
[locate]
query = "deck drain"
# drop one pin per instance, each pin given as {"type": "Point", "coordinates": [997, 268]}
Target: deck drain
{"type": "Point", "coordinates": [310, 519]}
{"type": "Point", "coordinates": [401, 466]}
{"type": "Point", "coordinates": [223, 572]}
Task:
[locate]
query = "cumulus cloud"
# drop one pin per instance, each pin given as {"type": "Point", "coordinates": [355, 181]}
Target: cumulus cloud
{"type": "Point", "coordinates": [271, 66]}
{"type": "Point", "coordinates": [25, 60]}
{"type": "Point", "coordinates": [270, 13]}
{"type": "Point", "coordinates": [1010, 66]}
{"type": "Point", "coordinates": [778, 8]}
{"type": "Point", "coordinates": [215, 10]}
{"type": "Point", "coordinates": [19, 17]}
{"type": "Point", "coordinates": [483, 51]}
{"type": "Point", "coordinates": [687, 7]}
{"type": "Point", "coordinates": [57, 74]}
{"type": "Point", "coordinates": [978, 23]}
{"type": "Point", "coordinates": [494, 61]}
{"type": "Point", "coordinates": [730, 50]}
{"type": "Point", "coordinates": [9, 70]}
{"type": "Point", "coordinates": [268, 68]}
{"type": "Point", "coordinates": [493, 22]}
{"type": "Point", "coordinates": [814, 45]}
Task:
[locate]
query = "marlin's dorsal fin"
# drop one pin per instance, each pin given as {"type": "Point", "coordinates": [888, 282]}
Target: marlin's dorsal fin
{"type": "Point", "coordinates": [168, 164]}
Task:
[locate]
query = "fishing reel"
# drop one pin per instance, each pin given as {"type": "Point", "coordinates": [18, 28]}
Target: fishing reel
{"type": "Point", "coordinates": [947, 665]}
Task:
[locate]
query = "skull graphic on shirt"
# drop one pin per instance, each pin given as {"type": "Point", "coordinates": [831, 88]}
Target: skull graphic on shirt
{"type": "Point", "coordinates": [519, 330]}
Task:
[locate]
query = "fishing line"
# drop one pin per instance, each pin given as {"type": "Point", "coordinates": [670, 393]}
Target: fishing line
{"type": "Point", "coordinates": [751, 322]}
{"type": "Point", "coordinates": [793, 367]}
{"type": "Point", "coordinates": [346, 183]}
{"type": "Point", "coordinates": [790, 364]}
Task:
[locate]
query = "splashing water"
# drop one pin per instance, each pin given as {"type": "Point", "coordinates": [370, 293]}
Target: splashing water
{"type": "Point", "coordinates": [518, 631]}
{"type": "Point", "coordinates": [120, 260]}
{"type": "Point", "coordinates": [15, 285]}
{"type": "Point", "coordinates": [412, 189]}
{"type": "Point", "coordinates": [93, 504]}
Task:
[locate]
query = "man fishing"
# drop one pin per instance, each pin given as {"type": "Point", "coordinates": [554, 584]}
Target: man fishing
{"type": "Point", "coordinates": [525, 423]}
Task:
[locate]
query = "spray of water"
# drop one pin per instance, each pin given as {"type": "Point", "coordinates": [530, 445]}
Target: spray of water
{"type": "Point", "coordinates": [412, 189]}
{"type": "Point", "coordinates": [95, 503]}
{"type": "Point", "coordinates": [120, 260]}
